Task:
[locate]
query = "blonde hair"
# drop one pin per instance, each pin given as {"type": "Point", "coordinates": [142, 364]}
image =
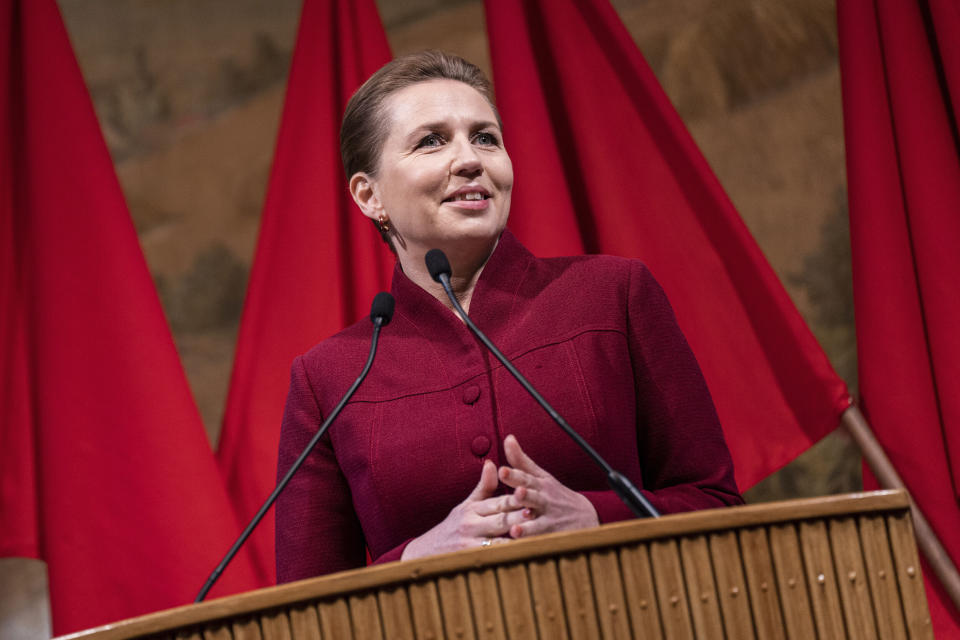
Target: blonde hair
{"type": "Point", "coordinates": [363, 129]}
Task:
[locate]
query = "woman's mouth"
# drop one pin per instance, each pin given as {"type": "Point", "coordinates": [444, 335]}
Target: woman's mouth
{"type": "Point", "coordinates": [470, 198]}
{"type": "Point", "coordinates": [469, 193]}
{"type": "Point", "coordinates": [473, 195]}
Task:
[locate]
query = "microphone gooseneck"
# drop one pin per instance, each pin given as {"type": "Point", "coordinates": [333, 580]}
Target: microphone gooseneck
{"type": "Point", "coordinates": [440, 271]}
{"type": "Point", "coordinates": [381, 312]}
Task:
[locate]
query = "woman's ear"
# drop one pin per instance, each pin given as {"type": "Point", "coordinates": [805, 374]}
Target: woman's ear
{"type": "Point", "coordinates": [361, 188]}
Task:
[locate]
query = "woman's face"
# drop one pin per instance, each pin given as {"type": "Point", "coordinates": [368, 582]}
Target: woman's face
{"type": "Point", "coordinates": [444, 177]}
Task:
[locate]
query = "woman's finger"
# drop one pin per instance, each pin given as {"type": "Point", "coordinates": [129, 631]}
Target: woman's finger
{"type": "Point", "coordinates": [530, 528]}
{"type": "Point", "coordinates": [514, 477]}
{"type": "Point", "coordinates": [518, 459]}
{"type": "Point", "coordinates": [487, 484]}
{"type": "Point", "coordinates": [531, 499]}
{"type": "Point", "coordinates": [490, 506]}
{"type": "Point", "coordinates": [501, 524]}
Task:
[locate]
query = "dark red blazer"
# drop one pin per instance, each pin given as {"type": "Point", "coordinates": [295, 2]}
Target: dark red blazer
{"type": "Point", "coordinates": [594, 334]}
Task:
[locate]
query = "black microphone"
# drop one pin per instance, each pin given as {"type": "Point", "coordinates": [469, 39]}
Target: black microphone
{"type": "Point", "coordinates": [381, 312]}
{"type": "Point", "coordinates": [439, 268]}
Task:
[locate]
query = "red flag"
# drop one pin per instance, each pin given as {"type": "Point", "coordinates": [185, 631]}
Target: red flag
{"type": "Point", "coordinates": [900, 64]}
{"type": "Point", "coordinates": [318, 263]}
{"type": "Point", "coordinates": [603, 161]}
{"type": "Point", "coordinates": [18, 491]}
{"type": "Point", "coordinates": [110, 478]}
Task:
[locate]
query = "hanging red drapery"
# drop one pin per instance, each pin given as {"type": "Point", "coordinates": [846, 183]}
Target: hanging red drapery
{"type": "Point", "coordinates": [105, 469]}
{"type": "Point", "coordinates": [318, 262]}
{"type": "Point", "coordinates": [603, 162]}
{"type": "Point", "coordinates": [900, 64]}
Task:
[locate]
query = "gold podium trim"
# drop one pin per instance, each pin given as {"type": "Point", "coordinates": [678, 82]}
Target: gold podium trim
{"type": "Point", "coordinates": [831, 567]}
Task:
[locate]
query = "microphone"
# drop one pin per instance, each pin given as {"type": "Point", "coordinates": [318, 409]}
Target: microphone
{"type": "Point", "coordinates": [381, 312]}
{"type": "Point", "coordinates": [439, 268]}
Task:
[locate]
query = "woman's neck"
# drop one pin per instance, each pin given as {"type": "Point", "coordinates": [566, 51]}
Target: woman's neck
{"type": "Point", "coordinates": [465, 266]}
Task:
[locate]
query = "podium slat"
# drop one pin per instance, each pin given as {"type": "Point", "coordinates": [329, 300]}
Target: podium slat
{"type": "Point", "coordinates": [671, 592]}
{"type": "Point", "coordinates": [732, 590]}
{"type": "Point", "coordinates": [485, 598]}
{"type": "Point", "coordinates": [455, 605]}
{"type": "Point", "coordinates": [335, 619]}
{"type": "Point", "coordinates": [275, 625]}
{"type": "Point", "coordinates": [521, 622]}
{"type": "Point", "coordinates": [244, 629]}
{"type": "Point", "coordinates": [882, 578]}
{"type": "Point", "coordinates": [425, 605]}
{"type": "Point", "coordinates": [762, 584]}
{"type": "Point", "coordinates": [217, 632]}
{"type": "Point", "coordinates": [641, 594]}
{"type": "Point", "coordinates": [909, 576]}
{"type": "Point", "coordinates": [854, 591]}
{"type": "Point", "coordinates": [579, 598]}
{"type": "Point", "coordinates": [365, 616]}
{"type": "Point", "coordinates": [304, 623]}
{"type": "Point", "coordinates": [395, 614]}
{"type": "Point", "coordinates": [701, 587]}
{"type": "Point", "coordinates": [822, 578]}
{"type": "Point", "coordinates": [548, 601]}
{"type": "Point", "coordinates": [792, 582]}
{"type": "Point", "coordinates": [608, 586]}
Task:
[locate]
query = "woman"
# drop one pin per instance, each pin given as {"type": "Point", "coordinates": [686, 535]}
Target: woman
{"type": "Point", "coordinates": [441, 449]}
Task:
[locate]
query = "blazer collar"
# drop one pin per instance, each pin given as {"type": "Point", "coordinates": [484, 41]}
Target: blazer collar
{"type": "Point", "coordinates": [493, 298]}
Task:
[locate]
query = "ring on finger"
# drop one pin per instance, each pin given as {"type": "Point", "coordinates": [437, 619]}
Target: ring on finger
{"type": "Point", "coordinates": [486, 542]}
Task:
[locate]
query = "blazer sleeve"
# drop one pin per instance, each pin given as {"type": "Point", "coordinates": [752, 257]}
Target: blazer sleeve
{"type": "Point", "coordinates": [684, 460]}
{"type": "Point", "coordinates": [317, 530]}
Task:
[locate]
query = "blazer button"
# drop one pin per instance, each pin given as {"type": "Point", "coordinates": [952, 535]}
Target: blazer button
{"type": "Point", "coordinates": [470, 394]}
{"type": "Point", "coordinates": [480, 446]}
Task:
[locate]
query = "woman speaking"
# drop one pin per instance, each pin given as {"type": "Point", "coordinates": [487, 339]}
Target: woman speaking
{"type": "Point", "coordinates": [441, 449]}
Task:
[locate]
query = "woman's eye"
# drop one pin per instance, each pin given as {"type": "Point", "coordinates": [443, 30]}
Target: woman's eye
{"type": "Point", "coordinates": [432, 140]}
{"type": "Point", "coordinates": [484, 138]}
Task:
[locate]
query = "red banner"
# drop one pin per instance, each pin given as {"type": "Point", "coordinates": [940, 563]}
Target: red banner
{"type": "Point", "coordinates": [900, 64]}
{"type": "Point", "coordinates": [105, 469]}
{"type": "Point", "coordinates": [318, 263]}
{"type": "Point", "coordinates": [604, 163]}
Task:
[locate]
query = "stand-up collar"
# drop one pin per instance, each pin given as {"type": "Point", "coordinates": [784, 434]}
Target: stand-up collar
{"type": "Point", "coordinates": [493, 296]}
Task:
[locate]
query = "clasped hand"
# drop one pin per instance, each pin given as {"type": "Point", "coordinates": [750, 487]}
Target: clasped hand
{"type": "Point", "coordinates": [539, 503]}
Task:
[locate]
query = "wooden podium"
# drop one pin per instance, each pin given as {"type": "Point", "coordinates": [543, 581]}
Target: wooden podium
{"type": "Point", "coordinates": [833, 567]}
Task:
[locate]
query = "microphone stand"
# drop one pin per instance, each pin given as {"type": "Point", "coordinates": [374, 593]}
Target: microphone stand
{"type": "Point", "coordinates": [379, 318]}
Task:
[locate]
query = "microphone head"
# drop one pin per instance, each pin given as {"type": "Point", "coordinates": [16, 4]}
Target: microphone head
{"type": "Point", "coordinates": [382, 307]}
{"type": "Point", "coordinates": [437, 264]}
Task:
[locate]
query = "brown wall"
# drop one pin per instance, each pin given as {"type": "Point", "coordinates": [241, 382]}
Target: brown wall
{"type": "Point", "coordinates": [189, 92]}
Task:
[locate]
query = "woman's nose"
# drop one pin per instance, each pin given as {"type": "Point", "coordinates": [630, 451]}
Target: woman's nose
{"type": "Point", "coordinates": [465, 160]}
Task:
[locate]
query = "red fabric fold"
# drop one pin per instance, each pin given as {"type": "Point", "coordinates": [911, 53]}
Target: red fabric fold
{"type": "Point", "coordinates": [110, 478]}
{"type": "Point", "coordinates": [603, 161]}
{"type": "Point", "coordinates": [900, 76]}
{"type": "Point", "coordinates": [318, 262]}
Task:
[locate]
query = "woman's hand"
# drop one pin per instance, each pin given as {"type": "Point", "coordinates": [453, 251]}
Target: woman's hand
{"type": "Point", "coordinates": [479, 518]}
{"type": "Point", "coordinates": [547, 504]}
